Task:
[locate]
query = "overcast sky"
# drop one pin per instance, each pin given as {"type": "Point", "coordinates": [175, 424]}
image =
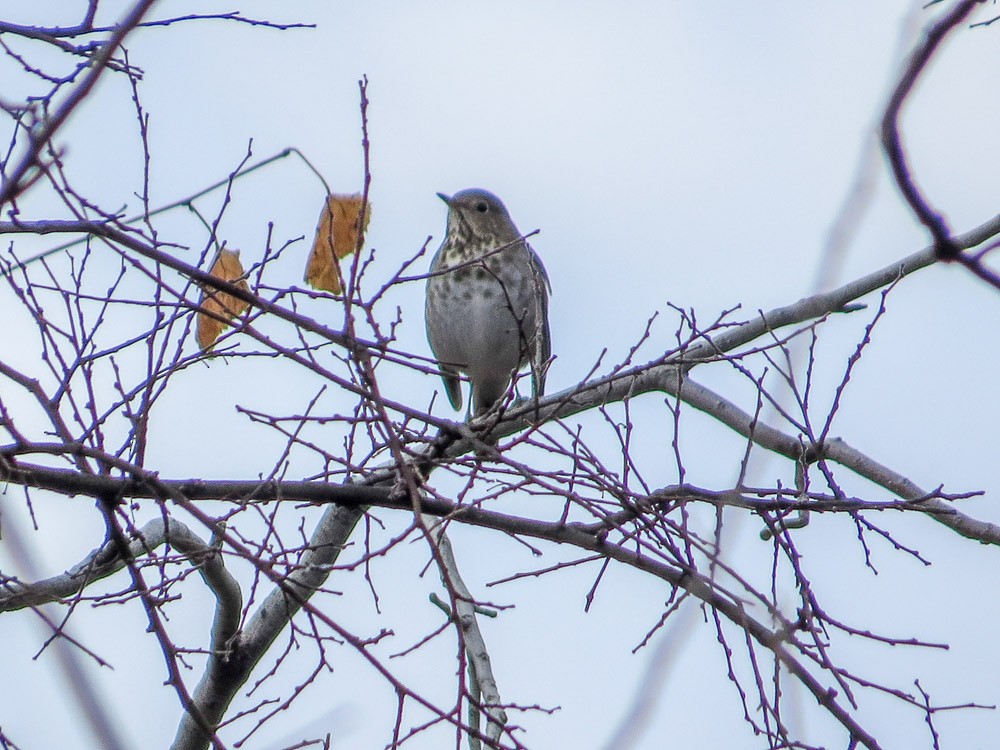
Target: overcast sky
{"type": "Point", "coordinates": [669, 152]}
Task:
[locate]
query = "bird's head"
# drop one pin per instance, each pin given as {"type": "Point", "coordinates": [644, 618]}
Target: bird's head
{"type": "Point", "coordinates": [481, 214]}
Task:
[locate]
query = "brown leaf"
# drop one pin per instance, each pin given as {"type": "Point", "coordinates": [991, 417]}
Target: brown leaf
{"type": "Point", "coordinates": [216, 304]}
{"type": "Point", "coordinates": [336, 237]}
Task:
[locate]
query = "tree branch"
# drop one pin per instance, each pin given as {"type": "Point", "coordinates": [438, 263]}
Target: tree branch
{"type": "Point", "coordinates": [472, 637]}
{"type": "Point", "coordinates": [11, 185]}
{"type": "Point", "coordinates": [665, 374]}
{"type": "Point", "coordinates": [226, 673]}
{"type": "Point", "coordinates": [105, 561]}
{"type": "Point", "coordinates": [945, 247]}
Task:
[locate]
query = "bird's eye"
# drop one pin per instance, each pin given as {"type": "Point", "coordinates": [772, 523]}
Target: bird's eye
{"type": "Point", "coordinates": [482, 207]}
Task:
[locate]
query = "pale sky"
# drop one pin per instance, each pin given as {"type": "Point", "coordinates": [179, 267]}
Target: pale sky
{"type": "Point", "coordinates": [680, 152]}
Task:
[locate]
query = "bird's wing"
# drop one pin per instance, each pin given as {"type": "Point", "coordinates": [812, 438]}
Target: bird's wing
{"type": "Point", "coordinates": [536, 262]}
{"type": "Point", "coordinates": [543, 340]}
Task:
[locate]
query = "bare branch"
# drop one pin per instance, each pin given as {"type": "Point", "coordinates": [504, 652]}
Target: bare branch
{"type": "Point", "coordinates": [12, 183]}
{"type": "Point", "coordinates": [945, 247]}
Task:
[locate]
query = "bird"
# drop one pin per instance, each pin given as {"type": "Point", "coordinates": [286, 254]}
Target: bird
{"type": "Point", "coordinates": [487, 306]}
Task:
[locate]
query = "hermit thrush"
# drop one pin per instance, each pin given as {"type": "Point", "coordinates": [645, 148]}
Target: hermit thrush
{"type": "Point", "coordinates": [487, 302]}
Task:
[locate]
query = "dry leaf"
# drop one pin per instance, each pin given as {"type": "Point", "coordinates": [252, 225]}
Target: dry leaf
{"type": "Point", "coordinates": [216, 304]}
{"type": "Point", "coordinates": [336, 237]}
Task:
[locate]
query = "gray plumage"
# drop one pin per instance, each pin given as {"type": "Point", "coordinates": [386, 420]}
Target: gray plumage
{"type": "Point", "coordinates": [487, 302]}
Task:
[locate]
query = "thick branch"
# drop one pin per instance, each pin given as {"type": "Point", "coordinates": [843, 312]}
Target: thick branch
{"type": "Point", "coordinates": [666, 375]}
{"type": "Point", "coordinates": [106, 561]}
{"type": "Point", "coordinates": [836, 450]}
{"type": "Point", "coordinates": [379, 489]}
{"type": "Point", "coordinates": [69, 482]}
{"type": "Point", "coordinates": [228, 671]}
{"type": "Point", "coordinates": [473, 639]}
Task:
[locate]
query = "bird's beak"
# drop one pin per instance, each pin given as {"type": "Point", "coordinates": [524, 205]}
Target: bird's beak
{"type": "Point", "coordinates": [445, 198]}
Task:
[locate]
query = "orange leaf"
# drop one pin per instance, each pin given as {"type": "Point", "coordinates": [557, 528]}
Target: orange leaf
{"type": "Point", "coordinates": [215, 304]}
{"type": "Point", "coordinates": [336, 237]}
